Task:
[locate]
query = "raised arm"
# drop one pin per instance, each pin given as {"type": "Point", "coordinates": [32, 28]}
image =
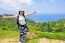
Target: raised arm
{"type": "Point", "coordinates": [30, 13]}
{"type": "Point", "coordinates": [8, 16]}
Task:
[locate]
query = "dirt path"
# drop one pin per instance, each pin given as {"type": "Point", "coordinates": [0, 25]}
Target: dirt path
{"type": "Point", "coordinates": [11, 40]}
{"type": "Point", "coordinates": [44, 40]}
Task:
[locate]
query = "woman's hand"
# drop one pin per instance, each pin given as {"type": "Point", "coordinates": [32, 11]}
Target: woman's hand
{"type": "Point", "coordinates": [34, 12]}
{"type": "Point", "coordinates": [3, 16]}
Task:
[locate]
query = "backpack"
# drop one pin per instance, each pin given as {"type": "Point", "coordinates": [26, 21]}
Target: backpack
{"type": "Point", "coordinates": [18, 21]}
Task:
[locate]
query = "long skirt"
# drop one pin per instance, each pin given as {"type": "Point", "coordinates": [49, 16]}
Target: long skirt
{"type": "Point", "coordinates": [23, 33]}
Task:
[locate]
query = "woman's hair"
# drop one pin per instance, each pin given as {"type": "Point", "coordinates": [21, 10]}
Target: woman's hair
{"type": "Point", "coordinates": [22, 14]}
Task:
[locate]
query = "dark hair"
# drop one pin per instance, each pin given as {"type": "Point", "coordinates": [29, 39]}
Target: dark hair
{"type": "Point", "coordinates": [22, 11]}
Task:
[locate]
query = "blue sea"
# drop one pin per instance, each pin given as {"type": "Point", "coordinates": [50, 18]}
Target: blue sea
{"type": "Point", "coordinates": [46, 17]}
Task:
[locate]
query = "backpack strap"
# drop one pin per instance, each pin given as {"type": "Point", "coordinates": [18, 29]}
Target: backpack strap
{"type": "Point", "coordinates": [18, 21]}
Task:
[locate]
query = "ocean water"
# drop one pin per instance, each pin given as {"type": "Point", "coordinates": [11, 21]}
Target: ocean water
{"type": "Point", "coordinates": [46, 17]}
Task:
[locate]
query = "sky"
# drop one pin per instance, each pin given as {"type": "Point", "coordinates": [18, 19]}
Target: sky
{"type": "Point", "coordinates": [53, 8]}
{"type": "Point", "coordinates": [41, 6]}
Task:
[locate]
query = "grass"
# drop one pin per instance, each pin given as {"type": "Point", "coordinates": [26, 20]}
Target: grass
{"type": "Point", "coordinates": [14, 34]}
{"type": "Point", "coordinates": [33, 41]}
{"type": "Point", "coordinates": [34, 35]}
{"type": "Point", "coordinates": [8, 34]}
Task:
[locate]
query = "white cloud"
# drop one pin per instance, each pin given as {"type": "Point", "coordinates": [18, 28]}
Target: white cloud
{"type": "Point", "coordinates": [26, 1]}
{"type": "Point", "coordinates": [52, 1]}
{"type": "Point", "coordinates": [15, 4]}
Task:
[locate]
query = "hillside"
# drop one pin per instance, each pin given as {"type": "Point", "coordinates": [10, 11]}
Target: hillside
{"type": "Point", "coordinates": [51, 30]}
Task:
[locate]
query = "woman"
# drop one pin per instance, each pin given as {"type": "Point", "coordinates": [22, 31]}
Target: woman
{"type": "Point", "coordinates": [21, 22]}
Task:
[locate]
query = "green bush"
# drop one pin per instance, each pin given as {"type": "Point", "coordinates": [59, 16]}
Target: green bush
{"type": "Point", "coordinates": [51, 35]}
